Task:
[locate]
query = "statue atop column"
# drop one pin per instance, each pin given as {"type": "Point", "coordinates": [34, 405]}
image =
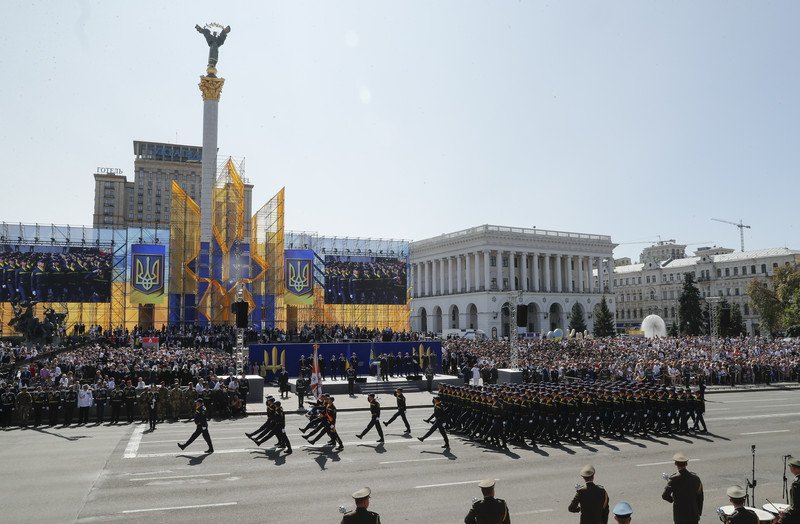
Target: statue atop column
{"type": "Point", "coordinates": [214, 40]}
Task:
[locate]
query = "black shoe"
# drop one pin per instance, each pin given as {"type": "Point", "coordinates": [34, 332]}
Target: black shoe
{"type": "Point", "coordinates": [210, 450]}
{"type": "Point", "coordinates": [289, 451]}
{"type": "Point", "coordinates": [385, 424]}
{"type": "Point", "coordinates": [407, 432]}
{"type": "Point", "coordinates": [339, 448]}
{"type": "Point", "coordinates": [181, 446]}
{"type": "Point", "coordinates": [420, 439]}
{"type": "Point", "coordinates": [379, 441]}
{"type": "Point", "coordinates": [359, 437]}
{"type": "Point", "coordinates": [446, 446]}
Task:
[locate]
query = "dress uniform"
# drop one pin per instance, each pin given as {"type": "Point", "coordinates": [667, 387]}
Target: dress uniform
{"type": "Point", "coordinates": [684, 491]}
{"type": "Point", "coordinates": [375, 418]}
{"type": "Point", "coordinates": [489, 510]}
{"type": "Point", "coordinates": [740, 515]}
{"type": "Point", "coordinates": [439, 416]}
{"type": "Point", "coordinates": [591, 500]}
{"type": "Point", "coordinates": [623, 512]}
{"type": "Point", "coordinates": [361, 515]}
{"type": "Point", "coordinates": [201, 423]}
{"type": "Point", "coordinates": [401, 410]}
{"type": "Point", "coordinates": [24, 402]}
{"type": "Point", "coordinates": [792, 515]}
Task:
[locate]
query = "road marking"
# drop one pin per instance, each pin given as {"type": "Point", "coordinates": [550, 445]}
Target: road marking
{"type": "Point", "coordinates": [663, 463]}
{"type": "Point", "coordinates": [412, 460]}
{"type": "Point", "coordinates": [150, 472]}
{"type": "Point", "coordinates": [195, 506]}
{"type": "Point", "coordinates": [133, 443]}
{"type": "Point", "coordinates": [765, 432]}
{"type": "Point", "coordinates": [179, 477]}
{"type": "Point", "coordinates": [751, 400]}
{"type": "Point", "coordinates": [194, 454]}
{"type": "Point", "coordinates": [753, 417]}
{"type": "Point", "coordinates": [532, 512]}
{"type": "Point", "coordinates": [145, 442]}
{"type": "Point", "coordinates": [449, 484]}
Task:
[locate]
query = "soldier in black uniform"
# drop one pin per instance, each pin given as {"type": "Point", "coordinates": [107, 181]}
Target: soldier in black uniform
{"type": "Point", "coordinates": [53, 404]}
{"type": "Point", "coordinates": [350, 374]}
{"type": "Point", "coordinates": [300, 388]}
{"type": "Point", "coordinates": [201, 427]}
{"type": "Point", "coordinates": [489, 510]}
{"type": "Point", "coordinates": [70, 400]}
{"type": "Point", "coordinates": [130, 401]}
{"type": "Point", "coordinates": [591, 500]}
{"type": "Point", "coordinates": [280, 429]}
{"type": "Point", "coordinates": [792, 515]}
{"type": "Point", "coordinates": [401, 410]}
{"type": "Point", "coordinates": [740, 515]}
{"type": "Point", "coordinates": [361, 515]}
{"type": "Point", "coordinates": [100, 399]}
{"type": "Point", "coordinates": [439, 416]}
{"type": "Point", "coordinates": [8, 400]}
{"type": "Point", "coordinates": [244, 391]}
{"type": "Point", "coordinates": [117, 398]}
{"type": "Point", "coordinates": [375, 418]}
{"type": "Point", "coordinates": [684, 491]}
{"type": "Point", "coordinates": [283, 382]}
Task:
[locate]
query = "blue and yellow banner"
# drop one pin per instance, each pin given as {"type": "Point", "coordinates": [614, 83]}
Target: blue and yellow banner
{"type": "Point", "coordinates": [299, 277]}
{"type": "Point", "coordinates": [147, 273]}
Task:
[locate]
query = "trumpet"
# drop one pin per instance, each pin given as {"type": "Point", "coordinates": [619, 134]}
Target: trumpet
{"type": "Point", "coordinates": [664, 476]}
{"type": "Point", "coordinates": [343, 509]}
{"type": "Point", "coordinates": [578, 486]}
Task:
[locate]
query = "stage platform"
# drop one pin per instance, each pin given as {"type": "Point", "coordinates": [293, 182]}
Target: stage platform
{"type": "Point", "coordinates": [375, 385]}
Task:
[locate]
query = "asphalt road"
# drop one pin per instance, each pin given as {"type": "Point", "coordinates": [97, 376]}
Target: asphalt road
{"type": "Point", "coordinates": [124, 474]}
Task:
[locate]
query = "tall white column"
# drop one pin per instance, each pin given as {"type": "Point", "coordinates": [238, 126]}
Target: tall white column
{"type": "Point", "coordinates": [423, 287]}
{"type": "Point", "coordinates": [477, 269]}
{"type": "Point", "coordinates": [524, 283]}
{"type": "Point", "coordinates": [442, 275]}
{"type": "Point", "coordinates": [468, 262]}
{"type": "Point", "coordinates": [587, 273]}
{"type": "Point", "coordinates": [536, 272]}
{"type": "Point", "coordinates": [557, 262]}
{"type": "Point", "coordinates": [459, 276]}
{"type": "Point", "coordinates": [487, 279]}
{"type": "Point", "coordinates": [547, 282]}
{"type": "Point", "coordinates": [570, 287]}
{"type": "Point", "coordinates": [434, 274]}
{"type": "Point", "coordinates": [512, 271]}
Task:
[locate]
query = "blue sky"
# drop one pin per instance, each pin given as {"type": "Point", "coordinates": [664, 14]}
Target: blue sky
{"type": "Point", "coordinates": [410, 119]}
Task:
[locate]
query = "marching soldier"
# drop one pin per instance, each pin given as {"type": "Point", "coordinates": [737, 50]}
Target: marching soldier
{"type": "Point", "coordinates": [375, 412]}
{"type": "Point", "coordinates": [684, 491]}
{"type": "Point", "coordinates": [401, 411]}
{"type": "Point", "coordinates": [439, 416]}
{"type": "Point", "coordinates": [280, 429]}
{"type": "Point", "coordinates": [361, 515]}
{"type": "Point", "coordinates": [591, 500]}
{"type": "Point", "coordinates": [201, 427]}
{"type": "Point", "coordinates": [740, 515]}
{"type": "Point", "coordinates": [489, 510]}
{"type": "Point", "coordinates": [623, 513]}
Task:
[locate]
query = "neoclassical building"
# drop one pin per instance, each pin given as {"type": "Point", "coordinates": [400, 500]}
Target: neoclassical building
{"type": "Point", "coordinates": [466, 279]}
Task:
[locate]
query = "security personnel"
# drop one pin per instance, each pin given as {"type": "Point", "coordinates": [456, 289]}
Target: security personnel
{"type": "Point", "coordinates": [201, 427]}
{"type": "Point", "coordinates": [117, 398]}
{"type": "Point", "coordinates": [740, 515]}
{"type": "Point", "coordinates": [53, 404]}
{"type": "Point", "coordinates": [792, 515]}
{"type": "Point", "coordinates": [175, 401]}
{"type": "Point", "coordinates": [24, 402]}
{"type": "Point", "coordinates": [350, 375]}
{"type": "Point", "coordinates": [684, 491]}
{"type": "Point", "coordinates": [489, 510]}
{"type": "Point", "coordinates": [8, 400]}
{"type": "Point", "coordinates": [130, 401]}
{"type": "Point", "coordinates": [361, 515]}
{"type": "Point", "coordinates": [300, 389]}
{"type": "Point", "coordinates": [401, 410]}
{"type": "Point", "coordinates": [100, 400]}
{"type": "Point", "coordinates": [375, 418]}
{"type": "Point", "coordinates": [591, 500]}
{"type": "Point", "coordinates": [623, 513]}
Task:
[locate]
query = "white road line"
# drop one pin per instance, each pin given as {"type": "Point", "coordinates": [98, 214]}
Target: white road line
{"type": "Point", "coordinates": [753, 417]}
{"type": "Point", "coordinates": [663, 463]}
{"type": "Point", "coordinates": [751, 400]}
{"type": "Point", "coordinates": [179, 477]}
{"type": "Point", "coordinates": [448, 484]}
{"type": "Point", "coordinates": [412, 460]}
{"type": "Point", "coordinates": [133, 443]}
{"type": "Point", "coordinates": [150, 472]}
{"type": "Point", "coordinates": [765, 432]}
{"type": "Point", "coordinates": [173, 441]}
{"type": "Point", "coordinates": [180, 507]}
{"type": "Point", "coordinates": [534, 512]}
{"type": "Point", "coordinates": [195, 453]}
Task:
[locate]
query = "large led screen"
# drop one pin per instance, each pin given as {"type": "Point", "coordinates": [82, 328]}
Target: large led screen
{"type": "Point", "coordinates": [364, 280]}
{"type": "Point", "coordinates": [54, 274]}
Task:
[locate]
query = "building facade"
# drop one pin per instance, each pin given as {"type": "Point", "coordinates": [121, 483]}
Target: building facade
{"type": "Point", "coordinates": [466, 279]}
{"type": "Point", "coordinates": [145, 202]}
{"type": "Point", "coordinates": [653, 286]}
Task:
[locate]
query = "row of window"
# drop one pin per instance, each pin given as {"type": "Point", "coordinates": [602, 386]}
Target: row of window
{"type": "Point", "coordinates": [667, 313]}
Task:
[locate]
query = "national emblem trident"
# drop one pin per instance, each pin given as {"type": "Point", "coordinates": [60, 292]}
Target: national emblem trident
{"type": "Point", "coordinates": [299, 277]}
{"type": "Point", "coordinates": [147, 274]}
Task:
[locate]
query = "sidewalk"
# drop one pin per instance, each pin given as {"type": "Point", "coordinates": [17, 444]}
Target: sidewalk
{"type": "Point", "coordinates": [423, 399]}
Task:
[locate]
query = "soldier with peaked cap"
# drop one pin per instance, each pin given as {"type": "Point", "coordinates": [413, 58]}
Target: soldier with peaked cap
{"type": "Point", "coordinates": [361, 515]}
{"type": "Point", "coordinates": [684, 491]}
{"type": "Point", "coordinates": [489, 510]}
{"type": "Point", "coordinates": [591, 500]}
{"type": "Point", "coordinates": [792, 515]}
{"type": "Point", "coordinates": [623, 512]}
{"type": "Point", "coordinates": [740, 515]}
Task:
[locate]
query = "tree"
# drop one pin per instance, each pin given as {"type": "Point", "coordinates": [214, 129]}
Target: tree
{"type": "Point", "coordinates": [576, 320]}
{"type": "Point", "coordinates": [673, 330]}
{"type": "Point", "coordinates": [689, 310]}
{"type": "Point", "coordinates": [603, 320]}
{"type": "Point", "coordinates": [723, 327]}
{"type": "Point", "coordinates": [737, 322]}
{"type": "Point", "coordinates": [778, 306]}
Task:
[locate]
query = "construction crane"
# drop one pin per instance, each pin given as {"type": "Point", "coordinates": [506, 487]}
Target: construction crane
{"type": "Point", "coordinates": [739, 224]}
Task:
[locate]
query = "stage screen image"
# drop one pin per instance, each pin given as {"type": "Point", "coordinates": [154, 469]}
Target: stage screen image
{"type": "Point", "coordinates": [54, 274]}
{"type": "Point", "coordinates": [365, 280]}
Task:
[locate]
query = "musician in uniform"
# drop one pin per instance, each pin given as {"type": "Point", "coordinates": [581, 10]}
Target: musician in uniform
{"type": "Point", "coordinates": [361, 515]}
{"type": "Point", "coordinates": [375, 418]}
{"type": "Point", "coordinates": [623, 513]}
{"type": "Point", "coordinates": [792, 515]}
{"type": "Point", "coordinates": [489, 510]}
{"type": "Point", "coordinates": [201, 423]}
{"type": "Point", "coordinates": [684, 491]}
{"type": "Point", "coordinates": [591, 500]}
{"type": "Point", "coordinates": [740, 515]}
